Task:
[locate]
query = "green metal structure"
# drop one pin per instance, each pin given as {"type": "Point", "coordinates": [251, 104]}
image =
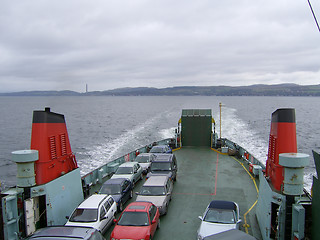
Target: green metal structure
{"type": "Point", "coordinates": [316, 198]}
{"type": "Point", "coordinates": [196, 127]}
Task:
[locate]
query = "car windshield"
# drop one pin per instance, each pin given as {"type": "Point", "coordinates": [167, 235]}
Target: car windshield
{"type": "Point", "coordinates": [142, 159]}
{"type": "Point", "coordinates": [153, 190]}
{"type": "Point", "coordinates": [124, 170]}
{"type": "Point", "coordinates": [160, 166]}
{"type": "Point", "coordinates": [84, 215]}
{"type": "Point", "coordinates": [219, 216]}
{"type": "Point", "coordinates": [134, 219]}
{"type": "Point", "coordinates": [111, 189]}
{"type": "Point", "coordinates": [157, 150]}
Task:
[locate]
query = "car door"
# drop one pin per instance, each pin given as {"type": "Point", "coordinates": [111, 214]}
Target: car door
{"type": "Point", "coordinates": [152, 215]}
{"type": "Point", "coordinates": [174, 168]}
{"type": "Point", "coordinates": [137, 173]}
{"type": "Point", "coordinates": [108, 217]}
{"type": "Point", "coordinates": [113, 207]}
{"type": "Point", "coordinates": [169, 188]}
{"type": "Point", "coordinates": [139, 170]}
{"type": "Point", "coordinates": [125, 191]}
{"type": "Point", "coordinates": [103, 219]}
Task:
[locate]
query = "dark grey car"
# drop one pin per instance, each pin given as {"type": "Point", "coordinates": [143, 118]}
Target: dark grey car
{"type": "Point", "coordinates": [164, 164]}
{"type": "Point", "coordinates": [67, 233]}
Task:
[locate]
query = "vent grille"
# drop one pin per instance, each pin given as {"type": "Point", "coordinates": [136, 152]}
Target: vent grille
{"type": "Point", "coordinates": [63, 144]}
{"type": "Point", "coordinates": [53, 147]}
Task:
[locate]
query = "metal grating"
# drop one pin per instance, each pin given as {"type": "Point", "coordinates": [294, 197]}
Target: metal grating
{"type": "Point", "coordinates": [53, 147]}
{"type": "Point", "coordinates": [63, 144]}
{"type": "Point", "coordinates": [196, 112]}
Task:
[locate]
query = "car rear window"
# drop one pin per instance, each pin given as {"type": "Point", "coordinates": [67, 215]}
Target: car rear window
{"type": "Point", "coordinates": [134, 219]}
{"type": "Point", "coordinates": [160, 166]}
{"type": "Point", "coordinates": [153, 190]}
{"type": "Point", "coordinates": [111, 189]}
{"type": "Point", "coordinates": [84, 215]}
{"type": "Point", "coordinates": [142, 159]}
{"type": "Point", "coordinates": [124, 170]}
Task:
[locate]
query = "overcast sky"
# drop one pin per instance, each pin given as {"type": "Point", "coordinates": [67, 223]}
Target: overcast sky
{"type": "Point", "coordinates": [64, 45]}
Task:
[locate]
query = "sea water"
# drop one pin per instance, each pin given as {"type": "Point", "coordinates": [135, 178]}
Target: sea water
{"type": "Point", "coordinates": [104, 128]}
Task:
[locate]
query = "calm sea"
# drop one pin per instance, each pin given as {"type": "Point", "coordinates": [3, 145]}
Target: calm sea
{"type": "Point", "coordinates": [103, 128]}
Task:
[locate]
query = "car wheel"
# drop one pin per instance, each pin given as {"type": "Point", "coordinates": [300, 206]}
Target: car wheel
{"type": "Point", "coordinates": [158, 225]}
{"type": "Point", "coordinates": [120, 207]}
{"type": "Point", "coordinates": [165, 213]}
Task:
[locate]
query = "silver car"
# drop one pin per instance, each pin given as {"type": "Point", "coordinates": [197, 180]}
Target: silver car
{"type": "Point", "coordinates": [218, 217]}
{"type": "Point", "coordinates": [129, 170]}
{"type": "Point", "coordinates": [145, 159]}
{"type": "Point", "coordinates": [158, 190]}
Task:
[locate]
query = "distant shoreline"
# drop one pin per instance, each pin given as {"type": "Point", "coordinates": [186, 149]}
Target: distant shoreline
{"type": "Point", "coordinates": [253, 90]}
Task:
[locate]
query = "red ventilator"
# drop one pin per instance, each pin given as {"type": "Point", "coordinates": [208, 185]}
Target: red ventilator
{"type": "Point", "coordinates": [50, 137]}
{"type": "Point", "coordinates": [282, 139]}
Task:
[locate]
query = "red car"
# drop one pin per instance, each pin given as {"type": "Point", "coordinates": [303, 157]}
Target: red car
{"type": "Point", "coordinates": [138, 221]}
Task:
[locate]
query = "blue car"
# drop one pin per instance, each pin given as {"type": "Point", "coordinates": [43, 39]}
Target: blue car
{"type": "Point", "coordinates": [121, 189]}
{"type": "Point", "coordinates": [161, 149]}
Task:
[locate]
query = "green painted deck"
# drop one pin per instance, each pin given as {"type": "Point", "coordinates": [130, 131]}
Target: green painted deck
{"type": "Point", "coordinates": [204, 175]}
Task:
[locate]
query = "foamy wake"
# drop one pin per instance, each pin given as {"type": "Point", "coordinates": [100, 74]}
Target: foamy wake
{"type": "Point", "coordinates": [109, 150]}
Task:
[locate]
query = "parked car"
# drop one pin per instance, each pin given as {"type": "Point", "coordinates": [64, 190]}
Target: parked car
{"type": "Point", "coordinates": [164, 164]}
{"type": "Point", "coordinates": [161, 149]}
{"type": "Point", "coordinates": [218, 217]}
{"type": "Point", "coordinates": [129, 170]}
{"type": "Point", "coordinates": [96, 211]}
{"type": "Point", "coordinates": [120, 189]}
{"type": "Point", "coordinates": [145, 159]}
{"type": "Point", "coordinates": [138, 221]}
{"type": "Point", "coordinates": [158, 190]}
{"type": "Point", "coordinates": [67, 233]}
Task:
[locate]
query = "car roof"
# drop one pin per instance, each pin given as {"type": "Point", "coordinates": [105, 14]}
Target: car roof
{"type": "Point", "coordinates": [115, 181]}
{"type": "Point", "coordinates": [156, 181]}
{"type": "Point", "coordinates": [221, 204]}
{"type": "Point", "coordinates": [128, 164]}
{"type": "Point", "coordinates": [161, 146]}
{"type": "Point", "coordinates": [138, 207]}
{"type": "Point", "coordinates": [93, 201]}
{"type": "Point", "coordinates": [145, 154]}
{"type": "Point", "coordinates": [163, 157]}
{"type": "Point", "coordinates": [63, 231]}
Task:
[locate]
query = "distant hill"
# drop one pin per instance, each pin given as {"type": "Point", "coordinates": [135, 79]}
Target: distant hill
{"type": "Point", "coordinates": [253, 90]}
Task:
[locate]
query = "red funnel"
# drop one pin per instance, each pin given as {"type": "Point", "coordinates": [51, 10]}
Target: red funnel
{"type": "Point", "coordinates": [50, 137]}
{"type": "Point", "coordinates": [282, 140]}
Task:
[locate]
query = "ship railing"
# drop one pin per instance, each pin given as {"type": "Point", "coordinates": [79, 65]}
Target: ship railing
{"type": "Point", "coordinates": [104, 172]}
{"type": "Point", "coordinates": [243, 153]}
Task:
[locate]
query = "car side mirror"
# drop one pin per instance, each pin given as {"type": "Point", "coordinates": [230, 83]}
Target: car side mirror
{"type": "Point", "coordinates": [115, 220]}
{"type": "Point", "coordinates": [67, 217]}
{"type": "Point", "coordinates": [239, 221]}
{"type": "Point", "coordinates": [200, 218]}
{"type": "Point", "coordinates": [153, 221]}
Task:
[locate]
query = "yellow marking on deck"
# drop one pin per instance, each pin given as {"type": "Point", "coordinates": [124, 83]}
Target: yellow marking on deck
{"type": "Point", "coordinates": [246, 225]}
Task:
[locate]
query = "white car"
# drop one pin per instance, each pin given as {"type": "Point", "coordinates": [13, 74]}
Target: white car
{"type": "Point", "coordinates": [145, 159]}
{"type": "Point", "coordinates": [218, 217]}
{"type": "Point", "coordinates": [97, 211]}
{"type": "Point", "coordinates": [129, 170]}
